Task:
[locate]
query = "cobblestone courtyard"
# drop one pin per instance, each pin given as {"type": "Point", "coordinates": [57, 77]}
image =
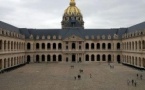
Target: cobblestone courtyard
{"type": "Point", "coordinates": [60, 76]}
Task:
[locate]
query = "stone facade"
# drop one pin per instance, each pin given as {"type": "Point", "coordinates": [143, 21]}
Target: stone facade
{"type": "Point", "coordinates": [20, 46]}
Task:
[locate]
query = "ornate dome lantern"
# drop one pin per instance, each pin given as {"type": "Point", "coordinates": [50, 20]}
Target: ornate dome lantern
{"type": "Point", "coordinates": [72, 17]}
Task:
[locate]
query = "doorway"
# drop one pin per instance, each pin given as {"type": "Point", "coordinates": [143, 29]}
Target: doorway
{"type": "Point", "coordinates": [73, 58]}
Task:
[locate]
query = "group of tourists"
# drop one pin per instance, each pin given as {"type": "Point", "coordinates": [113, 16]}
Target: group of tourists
{"type": "Point", "coordinates": [131, 82]}
{"type": "Point", "coordinates": [80, 72]}
{"type": "Point", "coordinates": [134, 82]}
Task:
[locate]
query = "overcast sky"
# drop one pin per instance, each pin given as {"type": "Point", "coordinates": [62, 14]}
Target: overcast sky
{"type": "Point", "coordinates": [96, 13]}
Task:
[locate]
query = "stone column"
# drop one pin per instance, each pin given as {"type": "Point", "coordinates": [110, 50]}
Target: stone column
{"type": "Point", "coordinates": [2, 64]}
{"type": "Point", "coordinates": [10, 63]}
{"type": "Point", "coordinates": [40, 58]}
{"type": "Point", "coordinates": [45, 58]}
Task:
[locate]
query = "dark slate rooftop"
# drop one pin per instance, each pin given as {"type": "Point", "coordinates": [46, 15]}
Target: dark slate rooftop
{"type": "Point", "coordinates": [72, 31]}
{"type": "Point", "coordinates": [8, 27]}
{"type": "Point", "coordinates": [137, 27]}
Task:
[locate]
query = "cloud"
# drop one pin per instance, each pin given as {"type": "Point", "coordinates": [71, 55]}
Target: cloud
{"type": "Point", "coordinates": [48, 13]}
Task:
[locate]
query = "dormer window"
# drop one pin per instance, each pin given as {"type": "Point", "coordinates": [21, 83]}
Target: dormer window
{"type": "Point", "coordinates": [54, 37]}
{"type": "Point", "coordinates": [98, 37]}
{"type": "Point", "coordinates": [92, 37]}
{"type": "Point", "coordinates": [59, 37]}
{"type": "Point", "coordinates": [87, 37]}
{"type": "Point", "coordinates": [109, 36]}
{"type": "Point", "coordinates": [37, 37]}
{"type": "Point", "coordinates": [116, 36]}
{"type": "Point", "coordinates": [103, 36]}
{"type": "Point", "coordinates": [48, 37]}
{"type": "Point", "coordinates": [31, 36]}
{"type": "Point", "coordinates": [43, 37]}
{"type": "Point", "coordinates": [0, 31]}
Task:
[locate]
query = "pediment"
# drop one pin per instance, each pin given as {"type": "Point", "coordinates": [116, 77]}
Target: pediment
{"type": "Point", "coordinates": [73, 38]}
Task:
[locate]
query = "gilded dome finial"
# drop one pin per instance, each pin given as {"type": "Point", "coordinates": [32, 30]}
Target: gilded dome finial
{"type": "Point", "coordinates": [72, 2]}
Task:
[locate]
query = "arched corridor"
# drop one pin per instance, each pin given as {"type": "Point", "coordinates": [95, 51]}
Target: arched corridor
{"type": "Point", "coordinates": [59, 58]}
{"type": "Point", "coordinates": [37, 58]}
{"type": "Point", "coordinates": [144, 62]}
{"type": "Point", "coordinates": [43, 58]}
{"type": "Point", "coordinates": [109, 58]}
{"type": "Point", "coordinates": [118, 59]}
{"type": "Point", "coordinates": [54, 58]}
{"type": "Point", "coordinates": [28, 46]}
{"type": "Point", "coordinates": [28, 59]}
{"type": "Point", "coordinates": [73, 46]}
{"type": "Point", "coordinates": [48, 58]}
{"type": "Point", "coordinates": [73, 58]}
{"type": "Point", "coordinates": [87, 57]}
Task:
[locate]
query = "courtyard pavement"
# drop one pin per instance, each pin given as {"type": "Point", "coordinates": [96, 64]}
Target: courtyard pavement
{"type": "Point", "coordinates": [60, 76]}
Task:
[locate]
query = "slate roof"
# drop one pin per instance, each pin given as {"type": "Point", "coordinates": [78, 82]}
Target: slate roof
{"type": "Point", "coordinates": [72, 31]}
{"type": "Point", "coordinates": [137, 27]}
{"type": "Point", "coordinates": [8, 27]}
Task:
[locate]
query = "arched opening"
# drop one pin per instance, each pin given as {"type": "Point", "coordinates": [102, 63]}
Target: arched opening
{"type": "Point", "coordinates": [139, 45]}
{"type": "Point", "coordinates": [109, 46]}
{"type": "Point", "coordinates": [143, 44]}
{"type": "Point", "coordinates": [103, 46]}
{"type": "Point", "coordinates": [59, 46]}
{"type": "Point", "coordinates": [54, 58]}
{"type": "Point", "coordinates": [48, 58]}
{"type": "Point", "coordinates": [73, 46]}
{"type": "Point", "coordinates": [118, 59]}
{"type": "Point", "coordinates": [8, 45]}
{"type": "Point", "coordinates": [8, 62]}
{"type": "Point", "coordinates": [28, 46]}
{"type": "Point", "coordinates": [133, 45]}
{"type": "Point", "coordinates": [132, 60]}
{"type": "Point", "coordinates": [0, 44]}
{"type": "Point", "coordinates": [37, 45]}
{"type": "Point", "coordinates": [73, 58]}
{"type": "Point", "coordinates": [98, 57]}
{"type": "Point", "coordinates": [109, 58]}
{"type": "Point", "coordinates": [87, 57]}
{"type": "Point", "coordinates": [98, 45]}
{"type": "Point", "coordinates": [66, 59]}
{"type": "Point", "coordinates": [37, 58]}
{"type": "Point", "coordinates": [5, 63]}
{"type": "Point", "coordinates": [43, 45]}
{"type": "Point", "coordinates": [12, 62]}
{"type": "Point", "coordinates": [48, 46]}
{"type": "Point", "coordinates": [80, 60]}
{"type": "Point", "coordinates": [54, 46]}
{"type": "Point", "coordinates": [136, 61]}
{"type": "Point", "coordinates": [103, 58]}
{"type": "Point", "coordinates": [87, 46]}
{"type": "Point", "coordinates": [118, 46]}
{"type": "Point", "coordinates": [4, 45]}
{"type": "Point", "coordinates": [0, 64]}
{"type": "Point", "coordinates": [28, 59]}
{"type": "Point", "coordinates": [143, 62]}
{"type": "Point", "coordinates": [92, 46]}
{"type": "Point", "coordinates": [59, 58]}
{"type": "Point", "coordinates": [43, 58]}
{"type": "Point", "coordinates": [92, 58]}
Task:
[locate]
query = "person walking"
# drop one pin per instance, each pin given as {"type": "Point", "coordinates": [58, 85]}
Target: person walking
{"type": "Point", "coordinates": [132, 81]}
{"type": "Point", "coordinates": [128, 82]}
{"type": "Point", "coordinates": [137, 75]}
{"type": "Point", "coordinates": [90, 75]}
{"type": "Point", "coordinates": [141, 76]}
{"type": "Point", "coordinates": [135, 83]}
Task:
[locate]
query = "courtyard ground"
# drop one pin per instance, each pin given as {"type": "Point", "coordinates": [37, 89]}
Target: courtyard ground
{"type": "Point", "coordinates": [60, 76]}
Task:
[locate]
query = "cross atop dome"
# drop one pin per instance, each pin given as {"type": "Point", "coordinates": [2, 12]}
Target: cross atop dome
{"type": "Point", "coordinates": [72, 3]}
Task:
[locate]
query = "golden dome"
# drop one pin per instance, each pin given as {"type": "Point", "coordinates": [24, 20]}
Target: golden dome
{"type": "Point", "coordinates": [72, 9]}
